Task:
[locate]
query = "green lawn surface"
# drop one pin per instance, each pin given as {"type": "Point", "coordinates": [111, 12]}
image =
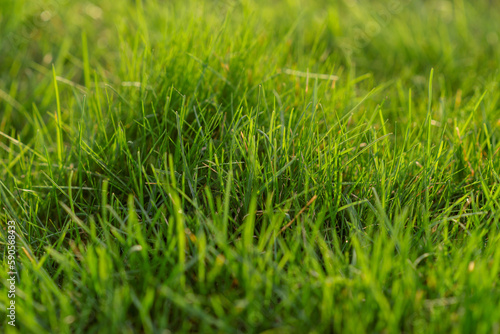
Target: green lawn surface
{"type": "Point", "coordinates": [250, 166]}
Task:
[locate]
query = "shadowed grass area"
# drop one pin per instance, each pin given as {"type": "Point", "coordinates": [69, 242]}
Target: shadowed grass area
{"type": "Point", "coordinates": [250, 166]}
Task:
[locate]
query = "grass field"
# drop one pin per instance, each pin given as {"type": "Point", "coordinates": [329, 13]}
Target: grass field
{"type": "Point", "coordinates": [250, 166]}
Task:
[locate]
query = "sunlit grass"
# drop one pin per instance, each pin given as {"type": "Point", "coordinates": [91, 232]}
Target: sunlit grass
{"type": "Point", "coordinates": [283, 167]}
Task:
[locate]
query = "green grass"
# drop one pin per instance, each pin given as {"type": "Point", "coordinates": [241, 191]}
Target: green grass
{"type": "Point", "coordinates": [251, 166]}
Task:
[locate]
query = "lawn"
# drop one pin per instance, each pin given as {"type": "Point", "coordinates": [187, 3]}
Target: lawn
{"type": "Point", "coordinates": [250, 166]}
